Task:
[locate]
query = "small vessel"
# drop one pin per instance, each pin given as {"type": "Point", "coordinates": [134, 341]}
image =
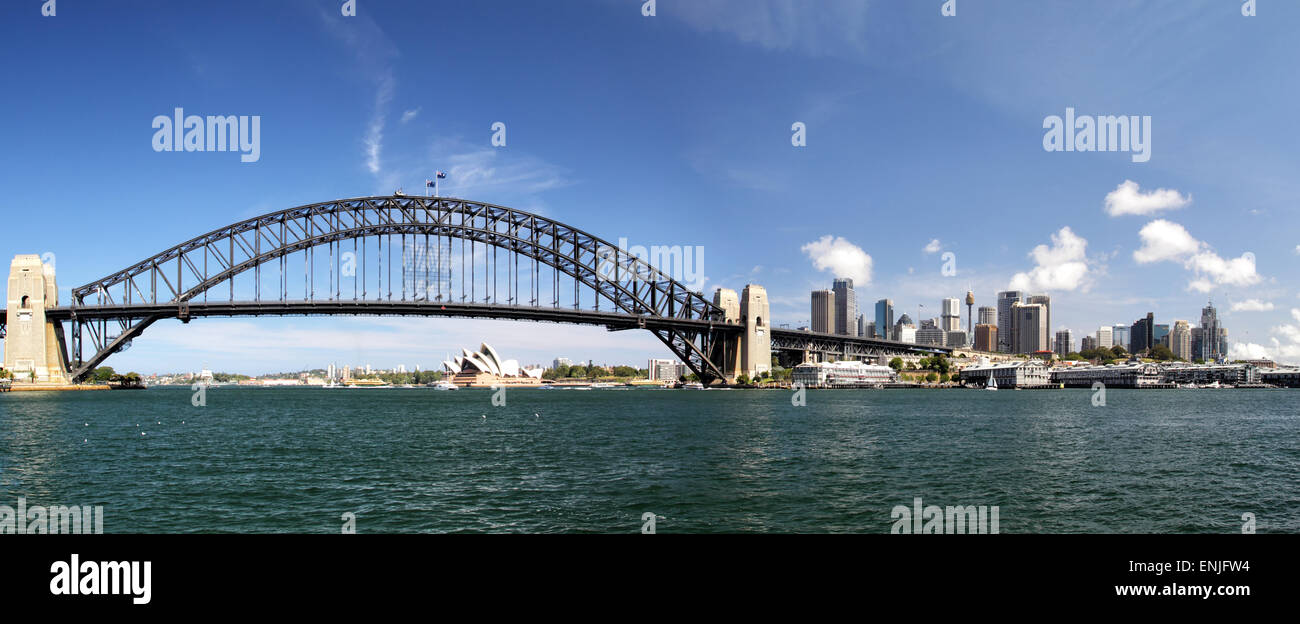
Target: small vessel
{"type": "Point", "coordinates": [443, 385]}
{"type": "Point", "coordinates": [694, 385]}
{"type": "Point", "coordinates": [602, 384]}
{"type": "Point", "coordinates": [367, 383]}
{"type": "Point", "coordinates": [992, 384]}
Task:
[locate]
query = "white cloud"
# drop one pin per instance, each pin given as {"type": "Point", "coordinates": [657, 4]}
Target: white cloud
{"type": "Point", "coordinates": [836, 28]}
{"type": "Point", "coordinates": [1166, 241]}
{"type": "Point", "coordinates": [407, 116]}
{"type": "Point", "coordinates": [933, 247]}
{"type": "Point", "coordinates": [374, 139]}
{"type": "Point", "coordinates": [1252, 305]}
{"type": "Point", "coordinates": [1063, 266]}
{"type": "Point", "coordinates": [1286, 340]}
{"type": "Point", "coordinates": [1297, 250]}
{"type": "Point", "coordinates": [841, 258]}
{"type": "Point", "coordinates": [1127, 199]}
{"type": "Point", "coordinates": [1247, 351]}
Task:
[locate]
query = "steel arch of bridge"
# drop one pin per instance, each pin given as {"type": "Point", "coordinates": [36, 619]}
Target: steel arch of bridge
{"type": "Point", "coordinates": [179, 282]}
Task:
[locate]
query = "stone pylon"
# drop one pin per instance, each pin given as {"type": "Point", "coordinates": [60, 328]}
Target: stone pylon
{"type": "Point", "coordinates": [32, 347]}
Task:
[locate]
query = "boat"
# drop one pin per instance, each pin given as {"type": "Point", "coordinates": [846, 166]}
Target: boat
{"type": "Point", "coordinates": [602, 384]}
{"type": "Point", "coordinates": [366, 383]}
{"type": "Point", "coordinates": [442, 385]}
{"type": "Point", "coordinates": [694, 385]}
{"type": "Point", "coordinates": [992, 383]}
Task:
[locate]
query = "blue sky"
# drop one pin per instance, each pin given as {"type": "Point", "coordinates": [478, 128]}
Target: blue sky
{"type": "Point", "coordinates": [676, 130]}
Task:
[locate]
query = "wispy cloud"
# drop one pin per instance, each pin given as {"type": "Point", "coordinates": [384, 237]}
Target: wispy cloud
{"type": "Point", "coordinates": [407, 116]}
{"type": "Point", "coordinates": [1252, 305]}
{"type": "Point", "coordinates": [1166, 241]}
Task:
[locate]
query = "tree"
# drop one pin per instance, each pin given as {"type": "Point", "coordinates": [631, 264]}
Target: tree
{"type": "Point", "coordinates": [943, 377]}
{"type": "Point", "coordinates": [896, 364]}
{"type": "Point", "coordinates": [923, 363]}
{"type": "Point", "coordinates": [103, 374]}
{"type": "Point", "coordinates": [1162, 353]}
{"type": "Point", "coordinates": [932, 377]}
{"type": "Point", "coordinates": [1118, 352]}
{"type": "Point", "coordinates": [742, 379]}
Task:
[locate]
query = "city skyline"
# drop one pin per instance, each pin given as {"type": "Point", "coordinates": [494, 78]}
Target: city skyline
{"type": "Point", "coordinates": [1108, 239]}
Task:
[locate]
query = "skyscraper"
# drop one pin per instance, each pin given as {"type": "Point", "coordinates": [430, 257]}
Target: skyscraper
{"type": "Point", "coordinates": [1120, 337]}
{"type": "Point", "coordinates": [1005, 301]}
{"type": "Point", "coordinates": [1210, 346]}
{"type": "Point", "coordinates": [1046, 302]}
{"type": "Point", "coordinates": [1143, 334]}
{"type": "Point", "coordinates": [1105, 337]}
{"type": "Point", "coordinates": [1064, 342]}
{"type": "Point", "coordinates": [1180, 340]}
{"type": "Point", "coordinates": [823, 311]}
{"type": "Point", "coordinates": [846, 306]}
{"type": "Point", "coordinates": [950, 316]}
{"type": "Point", "coordinates": [986, 337]}
{"type": "Point", "coordinates": [884, 318]}
{"type": "Point", "coordinates": [988, 316]}
{"type": "Point", "coordinates": [1028, 328]}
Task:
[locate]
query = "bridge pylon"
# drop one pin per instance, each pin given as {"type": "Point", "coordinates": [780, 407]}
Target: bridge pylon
{"type": "Point", "coordinates": [33, 344]}
{"type": "Point", "coordinates": [727, 346]}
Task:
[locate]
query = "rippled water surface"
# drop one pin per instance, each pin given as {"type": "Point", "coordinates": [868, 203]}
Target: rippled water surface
{"type": "Point", "coordinates": [419, 460]}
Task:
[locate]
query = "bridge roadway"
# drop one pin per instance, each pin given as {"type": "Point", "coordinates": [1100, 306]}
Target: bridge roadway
{"type": "Point", "coordinates": [789, 340]}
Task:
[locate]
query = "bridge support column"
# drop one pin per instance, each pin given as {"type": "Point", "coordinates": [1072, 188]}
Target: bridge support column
{"type": "Point", "coordinates": [756, 343]}
{"type": "Point", "coordinates": [31, 343]}
{"type": "Point", "coordinates": [729, 345]}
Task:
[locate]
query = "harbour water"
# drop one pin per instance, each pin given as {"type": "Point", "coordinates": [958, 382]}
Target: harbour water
{"type": "Point", "coordinates": [417, 460]}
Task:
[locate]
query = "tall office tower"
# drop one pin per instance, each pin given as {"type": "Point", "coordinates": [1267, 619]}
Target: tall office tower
{"type": "Point", "coordinates": [986, 337]}
{"type": "Point", "coordinates": [823, 311]}
{"type": "Point", "coordinates": [869, 330]}
{"type": "Point", "coordinates": [1046, 302]}
{"type": "Point", "coordinates": [1088, 343]}
{"type": "Point", "coordinates": [1064, 341]}
{"type": "Point", "coordinates": [1223, 341]}
{"type": "Point", "coordinates": [1105, 337]}
{"type": "Point", "coordinates": [1160, 335]}
{"type": "Point", "coordinates": [1209, 333]}
{"type": "Point", "coordinates": [1120, 337]}
{"type": "Point", "coordinates": [859, 325]}
{"type": "Point", "coordinates": [1142, 335]}
{"type": "Point", "coordinates": [1180, 340]}
{"type": "Point", "coordinates": [1198, 337]}
{"type": "Point", "coordinates": [970, 317]}
{"type": "Point", "coordinates": [1005, 301]}
{"type": "Point", "coordinates": [884, 318]}
{"type": "Point", "coordinates": [988, 316]}
{"type": "Point", "coordinates": [1028, 328]}
{"type": "Point", "coordinates": [950, 319]}
{"type": "Point", "coordinates": [846, 305]}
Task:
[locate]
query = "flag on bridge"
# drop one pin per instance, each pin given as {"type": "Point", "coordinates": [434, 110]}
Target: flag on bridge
{"type": "Point", "coordinates": [428, 183]}
{"type": "Point", "coordinates": [441, 175]}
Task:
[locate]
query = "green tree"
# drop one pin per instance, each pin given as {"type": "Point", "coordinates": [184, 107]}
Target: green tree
{"type": "Point", "coordinates": [896, 364]}
{"type": "Point", "coordinates": [1118, 352]}
{"type": "Point", "coordinates": [1162, 353]}
{"type": "Point", "coordinates": [943, 378]}
{"type": "Point", "coordinates": [103, 374]}
{"type": "Point", "coordinates": [932, 377]}
{"type": "Point", "coordinates": [742, 379]}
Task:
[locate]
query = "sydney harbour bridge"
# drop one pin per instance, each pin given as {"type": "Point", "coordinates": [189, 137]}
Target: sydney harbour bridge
{"type": "Point", "coordinates": [406, 256]}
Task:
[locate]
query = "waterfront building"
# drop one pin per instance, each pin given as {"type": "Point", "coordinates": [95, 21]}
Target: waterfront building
{"type": "Point", "coordinates": [1201, 374]}
{"type": "Point", "coordinates": [1105, 337]}
{"type": "Point", "coordinates": [1064, 342]}
{"type": "Point", "coordinates": [1088, 344]}
{"type": "Point", "coordinates": [986, 337]}
{"type": "Point", "coordinates": [884, 318]}
{"type": "Point", "coordinates": [1142, 336]}
{"type": "Point", "coordinates": [846, 306]}
{"type": "Point", "coordinates": [1005, 300]}
{"type": "Point", "coordinates": [485, 368]}
{"type": "Point", "coordinates": [1180, 340]}
{"type": "Point", "coordinates": [988, 316]}
{"type": "Point", "coordinates": [823, 311]}
{"type": "Point", "coordinates": [1031, 373]}
{"type": "Point", "coordinates": [1281, 377]}
{"type": "Point", "coordinates": [1134, 375]}
{"type": "Point", "coordinates": [846, 374]}
{"type": "Point", "coordinates": [664, 370]}
{"type": "Point", "coordinates": [950, 316]}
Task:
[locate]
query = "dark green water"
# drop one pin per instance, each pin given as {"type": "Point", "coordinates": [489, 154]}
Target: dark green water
{"type": "Point", "coordinates": [417, 460]}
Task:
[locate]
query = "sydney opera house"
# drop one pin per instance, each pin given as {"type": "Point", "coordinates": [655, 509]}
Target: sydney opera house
{"type": "Point", "coordinates": [485, 368]}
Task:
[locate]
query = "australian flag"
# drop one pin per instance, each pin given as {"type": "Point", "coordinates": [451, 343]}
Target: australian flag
{"type": "Point", "coordinates": [441, 175]}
